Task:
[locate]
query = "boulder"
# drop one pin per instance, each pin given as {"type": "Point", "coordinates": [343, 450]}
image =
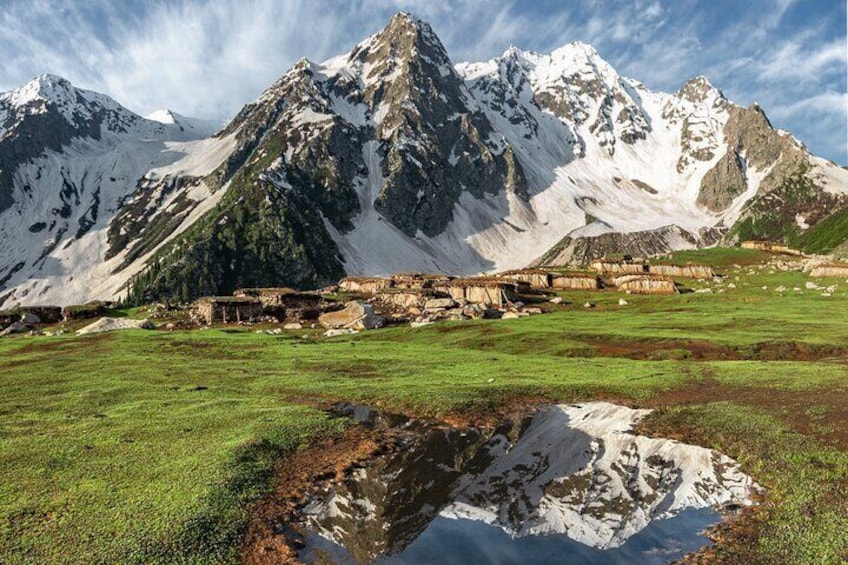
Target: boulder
{"type": "Point", "coordinates": [106, 324]}
{"type": "Point", "coordinates": [29, 318]}
{"type": "Point", "coordinates": [439, 304]}
{"type": "Point", "coordinates": [15, 328]}
{"type": "Point", "coordinates": [355, 315]}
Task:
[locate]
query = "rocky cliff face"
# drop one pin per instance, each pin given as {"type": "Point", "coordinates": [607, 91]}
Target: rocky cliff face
{"type": "Point", "coordinates": [389, 158]}
{"type": "Point", "coordinates": [385, 129]}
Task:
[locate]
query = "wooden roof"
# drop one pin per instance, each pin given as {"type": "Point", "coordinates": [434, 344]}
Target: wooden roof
{"type": "Point", "coordinates": [490, 282]}
{"type": "Point", "coordinates": [229, 300]}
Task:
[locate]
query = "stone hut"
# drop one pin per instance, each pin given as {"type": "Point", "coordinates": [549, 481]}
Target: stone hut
{"type": "Point", "coordinates": [417, 281]}
{"type": "Point", "coordinates": [575, 281]}
{"type": "Point", "coordinates": [278, 301]}
{"type": "Point", "coordinates": [96, 309]}
{"type": "Point", "coordinates": [228, 309]}
{"type": "Point", "coordinates": [684, 271]}
{"type": "Point", "coordinates": [47, 314]}
{"type": "Point", "coordinates": [364, 285]}
{"type": "Point", "coordinates": [605, 267]}
{"type": "Point", "coordinates": [490, 291]}
{"type": "Point", "coordinates": [771, 247]}
{"type": "Point", "coordinates": [646, 284]}
{"type": "Point", "coordinates": [536, 278]}
{"type": "Point", "coordinates": [832, 270]}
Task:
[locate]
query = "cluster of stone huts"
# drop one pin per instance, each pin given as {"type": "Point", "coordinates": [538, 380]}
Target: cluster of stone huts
{"type": "Point", "coordinates": [413, 291]}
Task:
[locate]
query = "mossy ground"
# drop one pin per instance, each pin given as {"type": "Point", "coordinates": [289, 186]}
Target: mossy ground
{"type": "Point", "coordinates": [144, 447]}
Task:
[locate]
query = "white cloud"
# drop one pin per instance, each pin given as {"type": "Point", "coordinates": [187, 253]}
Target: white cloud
{"type": "Point", "coordinates": [209, 57]}
{"type": "Point", "coordinates": [794, 60]}
{"type": "Point", "coordinates": [827, 103]}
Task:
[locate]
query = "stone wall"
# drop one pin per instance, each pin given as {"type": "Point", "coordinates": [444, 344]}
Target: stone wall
{"type": "Point", "coordinates": [685, 271]}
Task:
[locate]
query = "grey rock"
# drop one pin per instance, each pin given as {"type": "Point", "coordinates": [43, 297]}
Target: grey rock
{"type": "Point", "coordinates": [29, 318]}
{"type": "Point", "coordinates": [15, 328]}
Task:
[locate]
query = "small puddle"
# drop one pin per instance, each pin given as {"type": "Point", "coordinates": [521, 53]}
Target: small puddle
{"type": "Point", "coordinates": [567, 484]}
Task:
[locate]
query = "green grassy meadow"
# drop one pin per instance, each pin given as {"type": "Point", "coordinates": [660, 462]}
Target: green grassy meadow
{"type": "Point", "coordinates": [145, 447]}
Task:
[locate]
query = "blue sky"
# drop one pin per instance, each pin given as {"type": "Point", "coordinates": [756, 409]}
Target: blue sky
{"type": "Point", "coordinates": [207, 58]}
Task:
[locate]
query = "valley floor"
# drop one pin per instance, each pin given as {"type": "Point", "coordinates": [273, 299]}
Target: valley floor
{"type": "Point", "coordinates": [149, 447]}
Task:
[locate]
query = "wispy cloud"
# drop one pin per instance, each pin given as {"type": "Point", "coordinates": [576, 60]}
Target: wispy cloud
{"type": "Point", "coordinates": [209, 57]}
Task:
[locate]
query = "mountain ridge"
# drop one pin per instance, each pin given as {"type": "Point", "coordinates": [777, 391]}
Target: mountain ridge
{"type": "Point", "coordinates": [392, 158]}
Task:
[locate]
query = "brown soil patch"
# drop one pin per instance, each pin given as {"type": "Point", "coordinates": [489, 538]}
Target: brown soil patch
{"type": "Point", "coordinates": [64, 345]}
{"type": "Point", "coordinates": [700, 350]}
{"type": "Point", "coordinates": [828, 425]}
{"type": "Point", "coordinates": [269, 539]}
{"type": "Point", "coordinates": [57, 348]}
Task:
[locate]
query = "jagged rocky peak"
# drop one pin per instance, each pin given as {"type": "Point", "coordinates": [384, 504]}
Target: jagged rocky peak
{"type": "Point", "coordinates": [575, 84]}
{"type": "Point", "coordinates": [700, 110]}
{"type": "Point", "coordinates": [46, 93]}
{"type": "Point", "coordinates": [433, 142]}
{"type": "Point", "coordinates": [699, 90]}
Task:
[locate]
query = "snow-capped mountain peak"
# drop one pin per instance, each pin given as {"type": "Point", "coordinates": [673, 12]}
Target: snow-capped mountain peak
{"type": "Point", "coordinates": [194, 127]}
{"type": "Point", "coordinates": [386, 158]}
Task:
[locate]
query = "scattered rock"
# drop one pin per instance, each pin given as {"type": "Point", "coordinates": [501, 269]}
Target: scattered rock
{"type": "Point", "coordinates": [106, 324]}
{"type": "Point", "coordinates": [421, 323]}
{"type": "Point", "coordinates": [781, 288]}
{"type": "Point", "coordinates": [293, 326]}
{"type": "Point", "coordinates": [492, 314]}
{"type": "Point", "coordinates": [533, 310]}
{"type": "Point", "coordinates": [35, 332]}
{"type": "Point", "coordinates": [811, 285]}
{"type": "Point", "coordinates": [510, 316]}
{"type": "Point", "coordinates": [704, 290]}
{"type": "Point", "coordinates": [588, 305]}
{"type": "Point", "coordinates": [556, 300]}
{"type": "Point", "coordinates": [622, 302]}
{"type": "Point", "coordinates": [339, 331]}
{"type": "Point", "coordinates": [439, 304]}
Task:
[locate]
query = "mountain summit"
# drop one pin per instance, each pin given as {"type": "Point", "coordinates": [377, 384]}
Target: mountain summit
{"type": "Point", "coordinates": [389, 158]}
